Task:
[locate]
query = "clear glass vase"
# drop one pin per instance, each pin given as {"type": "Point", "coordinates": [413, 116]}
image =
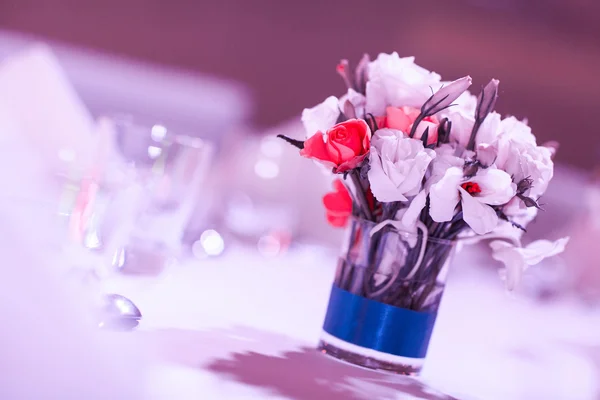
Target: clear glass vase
{"type": "Point", "coordinates": [385, 297]}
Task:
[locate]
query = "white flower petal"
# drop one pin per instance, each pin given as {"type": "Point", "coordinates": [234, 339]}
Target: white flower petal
{"type": "Point", "coordinates": [512, 131]}
{"type": "Point", "coordinates": [480, 217]}
{"type": "Point", "coordinates": [514, 263]}
{"type": "Point", "coordinates": [411, 214]}
{"type": "Point", "coordinates": [448, 150]}
{"type": "Point", "coordinates": [462, 124]}
{"type": "Point", "coordinates": [385, 134]}
{"type": "Point", "coordinates": [321, 117]}
{"type": "Point", "coordinates": [408, 233]}
{"type": "Point", "coordinates": [497, 187]}
{"type": "Point", "coordinates": [443, 195]}
{"type": "Point", "coordinates": [377, 97]}
{"type": "Point", "coordinates": [416, 170]}
{"type": "Point", "coordinates": [356, 99]}
{"type": "Point", "coordinates": [525, 160]}
{"type": "Point", "coordinates": [536, 251]}
{"type": "Point", "coordinates": [395, 81]}
{"type": "Point", "coordinates": [398, 165]}
{"type": "Point", "coordinates": [382, 187]}
{"type": "Point", "coordinates": [517, 259]}
{"type": "Point", "coordinates": [518, 131]}
{"type": "Point", "coordinates": [444, 159]}
{"type": "Point", "coordinates": [489, 130]}
{"type": "Point", "coordinates": [487, 154]}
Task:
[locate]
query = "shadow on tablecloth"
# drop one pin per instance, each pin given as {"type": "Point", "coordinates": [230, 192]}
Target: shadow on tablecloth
{"type": "Point", "coordinates": [283, 366]}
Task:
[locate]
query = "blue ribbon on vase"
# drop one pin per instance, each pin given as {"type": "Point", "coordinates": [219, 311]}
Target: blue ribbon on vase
{"type": "Point", "coordinates": [374, 325]}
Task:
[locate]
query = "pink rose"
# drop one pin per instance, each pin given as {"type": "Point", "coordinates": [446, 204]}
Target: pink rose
{"type": "Point", "coordinates": [343, 147]}
{"type": "Point", "coordinates": [403, 118]}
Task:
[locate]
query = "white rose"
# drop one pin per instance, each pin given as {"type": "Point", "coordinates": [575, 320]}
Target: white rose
{"type": "Point", "coordinates": [519, 155]}
{"type": "Point", "coordinates": [325, 115]}
{"type": "Point", "coordinates": [321, 117]}
{"type": "Point", "coordinates": [517, 131]}
{"type": "Point", "coordinates": [395, 81]}
{"type": "Point", "coordinates": [512, 130]}
{"type": "Point", "coordinates": [398, 165]}
{"type": "Point", "coordinates": [524, 160]}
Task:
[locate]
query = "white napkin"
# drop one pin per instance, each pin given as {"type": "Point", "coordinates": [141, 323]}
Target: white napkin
{"type": "Point", "coordinates": [45, 129]}
{"type": "Point", "coordinates": [49, 349]}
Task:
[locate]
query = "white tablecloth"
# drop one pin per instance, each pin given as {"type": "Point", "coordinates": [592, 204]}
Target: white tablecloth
{"type": "Point", "coordinates": [243, 326]}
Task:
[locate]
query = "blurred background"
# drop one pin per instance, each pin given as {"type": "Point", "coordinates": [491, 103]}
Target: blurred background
{"type": "Point", "coordinates": [109, 82]}
{"type": "Point", "coordinates": [545, 52]}
{"type": "Point", "coordinates": [151, 120]}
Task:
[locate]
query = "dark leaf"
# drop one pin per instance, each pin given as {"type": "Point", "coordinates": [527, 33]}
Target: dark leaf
{"type": "Point", "coordinates": [444, 131]}
{"type": "Point", "coordinates": [296, 143]}
{"type": "Point", "coordinates": [372, 122]}
{"type": "Point", "coordinates": [529, 202]}
{"type": "Point", "coordinates": [431, 106]}
{"type": "Point", "coordinates": [448, 131]}
{"type": "Point", "coordinates": [425, 137]}
{"type": "Point", "coordinates": [524, 185]}
{"type": "Point", "coordinates": [416, 123]}
{"type": "Point", "coordinates": [470, 168]}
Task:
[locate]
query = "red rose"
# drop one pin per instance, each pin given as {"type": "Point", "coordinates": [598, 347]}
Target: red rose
{"type": "Point", "coordinates": [338, 205]}
{"type": "Point", "coordinates": [343, 147]}
{"type": "Point", "coordinates": [403, 118]}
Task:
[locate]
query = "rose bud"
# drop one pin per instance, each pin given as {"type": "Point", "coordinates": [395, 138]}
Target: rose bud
{"type": "Point", "coordinates": [343, 147]}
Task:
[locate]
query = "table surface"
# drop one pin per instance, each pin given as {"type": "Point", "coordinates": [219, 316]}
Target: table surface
{"type": "Point", "coordinates": [244, 326]}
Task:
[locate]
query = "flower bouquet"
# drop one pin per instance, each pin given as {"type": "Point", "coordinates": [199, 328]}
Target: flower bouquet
{"type": "Point", "coordinates": [422, 165]}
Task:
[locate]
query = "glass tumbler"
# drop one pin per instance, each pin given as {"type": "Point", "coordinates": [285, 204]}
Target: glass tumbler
{"type": "Point", "coordinates": [140, 193]}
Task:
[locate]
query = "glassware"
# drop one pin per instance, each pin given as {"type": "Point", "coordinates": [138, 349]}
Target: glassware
{"type": "Point", "coordinates": [385, 297]}
{"type": "Point", "coordinates": [136, 200]}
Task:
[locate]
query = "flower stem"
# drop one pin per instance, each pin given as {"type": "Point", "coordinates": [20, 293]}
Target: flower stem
{"type": "Point", "coordinates": [415, 124]}
{"type": "Point", "coordinates": [360, 195]}
{"type": "Point", "coordinates": [471, 144]}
